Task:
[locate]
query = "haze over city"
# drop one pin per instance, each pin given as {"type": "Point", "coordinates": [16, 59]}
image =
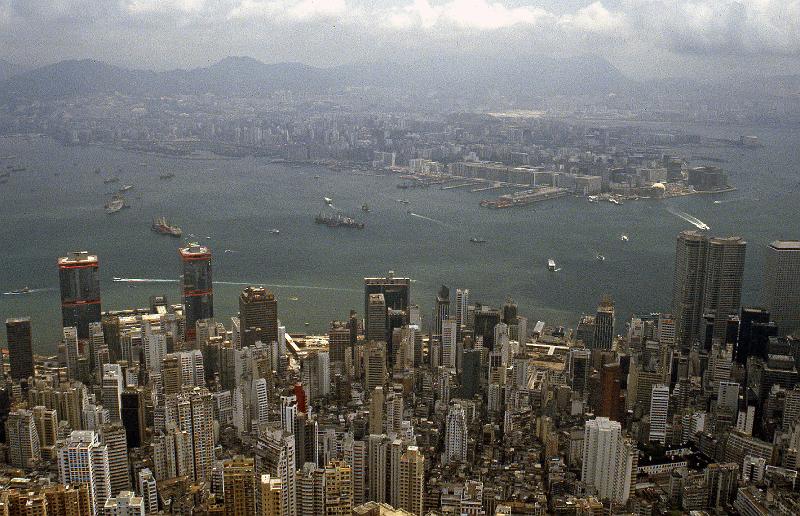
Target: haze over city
{"type": "Point", "coordinates": [399, 258]}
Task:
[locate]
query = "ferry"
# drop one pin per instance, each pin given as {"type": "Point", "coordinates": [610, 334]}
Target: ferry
{"type": "Point", "coordinates": [161, 227]}
{"type": "Point", "coordinates": [476, 240]}
{"type": "Point", "coordinates": [551, 265]}
{"type": "Point", "coordinates": [115, 204]}
{"type": "Point", "coordinates": [23, 290]}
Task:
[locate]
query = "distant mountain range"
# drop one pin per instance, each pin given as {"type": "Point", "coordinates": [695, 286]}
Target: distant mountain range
{"type": "Point", "coordinates": [534, 76]}
{"type": "Point", "coordinates": [243, 76]}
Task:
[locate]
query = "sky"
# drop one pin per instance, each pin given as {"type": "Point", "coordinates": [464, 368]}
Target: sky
{"type": "Point", "coordinates": [643, 38]}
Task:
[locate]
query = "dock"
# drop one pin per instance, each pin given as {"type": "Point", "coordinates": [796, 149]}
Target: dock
{"type": "Point", "coordinates": [486, 188]}
{"type": "Point", "coordinates": [462, 185]}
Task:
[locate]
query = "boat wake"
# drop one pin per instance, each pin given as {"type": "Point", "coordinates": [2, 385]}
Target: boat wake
{"type": "Point", "coordinates": [238, 283]}
{"type": "Point", "coordinates": [435, 221]}
{"type": "Point", "coordinates": [691, 219]}
{"type": "Point", "coordinates": [29, 291]}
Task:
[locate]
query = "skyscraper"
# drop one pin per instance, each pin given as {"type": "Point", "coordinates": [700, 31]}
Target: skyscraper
{"type": "Point", "coordinates": [196, 286]}
{"type": "Point", "coordinates": [80, 291]}
{"type": "Point", "coordinates": [374, 365]}
{"type": "Point", "coordinates": [239, 480]}
{"type": "Point", "coordinates": [455, 438]}
{"type": "Point", "coordinates": [113, 436]}
{"type": "Point", "coordinates": [442, 309]}
{"type": "Point", "coordinates": [396, 292]}
{"type": "Point", "coordinates": [448, 329]}
{"type": "Point", "coordinates": [659, 409]}
{"type": "Point", "coordinates": [687, 287]}
{"type": "Point", "coordinates": [782, 284]}
{"type": "Point", "coordinates": [20, 354]}
{"type": "Point", "coordinates": [258, 313]}
{"type": "Point", "coordinates": [722, 291]}
{"type": "Point", "coordinates": [412, 479]}
{"type": "Point", "coordinates": [604, 325]}
{"type": "Point", "coordinates": [83, 460]}
{"type": "Point", "coordinates": [608, 459]}
{"type": "Point", "coordinates": [22, 438]}
{"type": "Point", "coordinates": [376, 318]}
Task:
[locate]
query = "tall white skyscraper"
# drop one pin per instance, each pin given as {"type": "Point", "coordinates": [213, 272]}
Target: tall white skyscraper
{"type": "Point", "coordinates": [449, 335]}
{"type": "Point", "coordinates": [462, 302]}
{"type": "Point", "coordinates": [83, 460]}
{"type": "Point", "coordinates": [259, 402]}
{"type": "Point", "coordinates": [782, 285]}
{"type": "Point", "coordinates": [608, 459]}
{"type": "Point", "coordinates": [455, 438]}
{"type": "Point", "coordinates": [659, 408]}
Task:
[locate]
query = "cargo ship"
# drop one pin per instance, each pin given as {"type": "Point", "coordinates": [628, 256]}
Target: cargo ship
{"type": "Point", "coordinates": [161, 227]}
{"type": "Point", "coordinates": [115, 204]}
{"type": "Point", "coordinates": [338, 220]}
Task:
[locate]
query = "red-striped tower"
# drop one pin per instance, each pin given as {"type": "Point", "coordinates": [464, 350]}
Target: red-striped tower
{"type": "Point", "coordinates": [198, 294]}
{"type": "Point", "coordinates": [79, 281]}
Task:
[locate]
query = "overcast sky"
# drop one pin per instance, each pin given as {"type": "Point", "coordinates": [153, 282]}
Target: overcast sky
{"type": "Point", "coordinates": [643, 38]}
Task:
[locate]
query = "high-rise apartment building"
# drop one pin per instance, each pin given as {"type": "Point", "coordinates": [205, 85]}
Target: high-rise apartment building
{"type": "Point", "coordinates": [412, 481]}
{"type": "Point", "coordinates": [239, 481]}
{"type": "Point", "coordinates": [22, 438]}
{"type": "Point", "coordinates": [79, 282]}
{"type": "Point", "coordinates": [374, 365]}
{"type": "Point", "coordinates": [83, 460]}
{"type": "Point", "coordinates": [455, 437]}
{"type": "Point", "coordinates": [608, 459]}
{"type": "Point", "coordinates": [196, 287]}
{"type": "Point", "coordinates": [781, 287]}
{"type": "Point", "coordinates": [659, 409]}
{"type": "Point", "coordinates": [112, 435]}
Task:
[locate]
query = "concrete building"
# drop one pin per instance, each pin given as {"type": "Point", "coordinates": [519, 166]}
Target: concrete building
{"type": "Point", "coordinates": [781, 284]}
{"type": "Point", "coordinates": [608, 459]}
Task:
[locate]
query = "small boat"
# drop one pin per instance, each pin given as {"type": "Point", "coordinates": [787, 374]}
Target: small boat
{"type": "Point", "coordinates": [476, 240]}
{"type": "Point", "coordinates": [551, 265]}
{"type": "Point", "coordinates": [142, 164]}
{"type": "Point", "coordinates": [717, 202]}
{"type": "Point", "coordinates": [316, 177]}
{"type": "Point", "coordinates": [328, 200]}
{"type": "Point", "coordinates": [600, 258]}
{"type": "Point", "coordinates": [23, 290]}
{"type": "Point", "coordinates": [109, 180]}
{"type": "Point", "coordinates": [18, 169]}
{"type": "Point", "coordinates": [228, 250]}
{"type": "Point", "coordinates": [167, 176]}
{"type": "Point", "coordinates": [275, 231]}
{"type": "Point", "coordinates": [307, 323]}
{"type": "Point", "coordinates": [365, 207]}
{"type": "Point", "coordinates": [624, 238]}
{"type": "Point", "coordinates": [592, 198]}
{"type": "Point", "coordinates": [125, 188]}
{"type": "Point", "coordinates": [97, 170]}
{"type": "Point", "coordinates": [403, 201]}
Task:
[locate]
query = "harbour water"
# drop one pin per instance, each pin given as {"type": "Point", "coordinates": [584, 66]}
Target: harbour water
{"type": "Point", "coordinates": [56, 205]}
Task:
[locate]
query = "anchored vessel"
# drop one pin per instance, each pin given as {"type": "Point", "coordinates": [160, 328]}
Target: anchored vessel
{"type": "Point", "coordinates": [338, 220]}
{"type": "Point", "coordinates": [115, 204]}
{"type": "Point", "coordinates": [551, 265]}
{"type": "Point", "coordinates": [161, 227]}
